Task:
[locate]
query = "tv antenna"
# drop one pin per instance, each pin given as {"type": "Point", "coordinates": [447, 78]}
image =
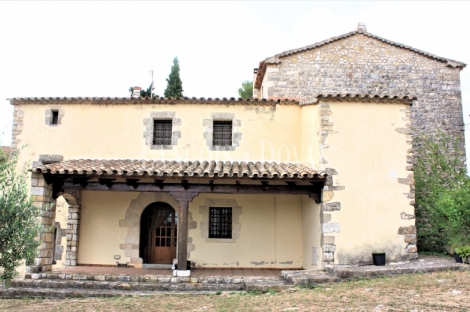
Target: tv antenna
{"type": "Point", "coordinates": [152, 87]}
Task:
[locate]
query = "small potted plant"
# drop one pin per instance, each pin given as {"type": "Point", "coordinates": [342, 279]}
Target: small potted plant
{"type": "Point", "coordinates": [462, 253]}
{"type": "Point", "coordinates": [378, 257]}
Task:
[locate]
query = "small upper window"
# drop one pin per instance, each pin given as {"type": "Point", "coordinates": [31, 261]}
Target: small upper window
{"type": "Point", "coordinates": [55, 117]}
{"type": "Point", "coordinates": [162, 132]}
{"type": "Point", "coordinates": [222, 133]}
{"type": "Point", "coordinates": [220, 222]}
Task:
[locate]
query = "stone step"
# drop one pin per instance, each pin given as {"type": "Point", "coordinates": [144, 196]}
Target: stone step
{"type": "Point", "coordinates": [24, 292]}
{"type": "Point", "coordinates": [152, 266]}
{"type": "Point", "coordinates": [265, 284]}
{"type": "Point", "coordinates": [124, 286]}
{"type": "Point", "coordinates": [304, 278]}
{"type": "Point", "coordinates": [153, 279]}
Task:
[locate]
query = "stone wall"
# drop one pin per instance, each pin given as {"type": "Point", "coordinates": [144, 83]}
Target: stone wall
{"type": "Point", "coordinates": [41, 195]}
{"type": "Point", "coordinates": [361, 64]}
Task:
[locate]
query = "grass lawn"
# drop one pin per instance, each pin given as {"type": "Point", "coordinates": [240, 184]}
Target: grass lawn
{"type": "Point", "coordinates": [443, 291]}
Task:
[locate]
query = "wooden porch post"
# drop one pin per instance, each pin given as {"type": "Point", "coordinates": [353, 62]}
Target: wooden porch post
{"type": "Point", "coordinates": [183, 199]}
{"type": "Point", "coordinates": [183, 235]}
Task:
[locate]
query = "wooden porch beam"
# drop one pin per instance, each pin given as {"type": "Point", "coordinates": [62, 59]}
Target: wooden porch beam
{"type": "Point", "coordinates": [106, 181]}
{"type": "Point", "coordinates": [198, 188]}
{"type": "Point", "coordinates": [265, 185]}
{"type": "Point", "coordinates": [158, 183]}
{"type": "Point", "coordinates": [132, 182]}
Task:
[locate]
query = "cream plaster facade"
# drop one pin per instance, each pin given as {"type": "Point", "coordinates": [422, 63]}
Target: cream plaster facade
{"type": "Point", "coordinates": [269, 132]}
{"type": "Point", "coordinates": [374, 194]}
{"type": "Point", "coordinates": [365, 142]}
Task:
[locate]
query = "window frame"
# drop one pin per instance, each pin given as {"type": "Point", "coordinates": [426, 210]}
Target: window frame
{"type": "Point", "coordinates": [218, 129]}
{"type": "Point", "coordinates": [208, 134]}
{"type": "Point", "coordinates": [220, 222]}
{"type": "Point", "coordinates": [54, 117]}
{"type": "Point", "coordinates": [166, 137]}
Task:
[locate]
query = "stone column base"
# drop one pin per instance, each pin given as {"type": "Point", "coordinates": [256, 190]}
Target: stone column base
{"type": "Point", "coordinates": [181, 273]}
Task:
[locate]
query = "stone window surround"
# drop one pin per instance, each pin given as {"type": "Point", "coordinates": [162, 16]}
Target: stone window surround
{"type": "Point", "coordinates": [149, 124]}
{"type": "Point", "coordinates": [209, 126]}
{"type": "Point", "coordinates": [48, 115]}
{"type": "Point", "coordinates": [236, 212]}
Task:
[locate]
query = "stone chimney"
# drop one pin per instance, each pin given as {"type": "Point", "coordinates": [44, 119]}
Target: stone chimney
{"type": "Point", "coordinates": [255, 92]}
{"type": "Point", "coordinates": [361, 27]}
{"type": "Point", "coordinates": [136, 92]}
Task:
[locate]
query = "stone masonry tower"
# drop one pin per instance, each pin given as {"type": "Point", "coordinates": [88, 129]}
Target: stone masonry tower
{"type": "Point", "coordinates": [365, 64]}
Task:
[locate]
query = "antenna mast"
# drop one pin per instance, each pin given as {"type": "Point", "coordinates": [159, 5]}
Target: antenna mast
{"type": "Point", "coordinates": [151, 84]}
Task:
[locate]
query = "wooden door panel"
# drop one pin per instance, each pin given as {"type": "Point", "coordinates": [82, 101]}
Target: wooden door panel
{"type": "Point", "coordinates": [163, 249]}
{"type": "Point", "coordinates": [164, 255]}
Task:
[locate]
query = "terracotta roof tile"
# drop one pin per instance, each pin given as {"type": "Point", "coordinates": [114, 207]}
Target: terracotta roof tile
{"type": "Point", "coordinates": [360, 98]}
{"type": "Point", "coordinates": [145, 100]}
{"type": "Point", "coordinates": [159, 168]}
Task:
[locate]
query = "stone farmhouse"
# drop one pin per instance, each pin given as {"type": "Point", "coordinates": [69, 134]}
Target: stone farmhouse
{"type": "Point", "coordinates": [316, 169]}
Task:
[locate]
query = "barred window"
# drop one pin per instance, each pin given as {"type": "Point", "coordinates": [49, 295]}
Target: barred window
{"type": "Point", "coordinates": [220, 222]}
{"type": "Point", "coordinates": [162, 132]}
{"type": "Point", "coordinates": [222, 133]}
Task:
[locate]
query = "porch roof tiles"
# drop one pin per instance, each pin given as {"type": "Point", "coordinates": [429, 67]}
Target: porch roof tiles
{"type": "Point", "coordinates": [166, 168]}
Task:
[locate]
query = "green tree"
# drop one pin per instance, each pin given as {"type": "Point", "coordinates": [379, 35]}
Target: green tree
{"type": "Point", "coordinates": [174, 86]}
{"type": "Point", "coordinates": [19, 224]}
{"type": "Point", "coordinates": [439, 169]}
{"type": "Point", "coordinates": [454, 206]}
{"type": "Point", "coordinates": [246, 91]}
{"type": "Point", "coordinates": [148, 92]}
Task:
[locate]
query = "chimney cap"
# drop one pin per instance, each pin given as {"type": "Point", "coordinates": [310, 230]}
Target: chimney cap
{"type": "Point", "coordinates": [136, 92]}
{"type": "Point", "coordinates": [361, 27]}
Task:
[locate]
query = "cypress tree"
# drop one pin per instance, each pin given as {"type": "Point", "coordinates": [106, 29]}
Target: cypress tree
{"type": "Point", "coordinates": [246, 91]}
{"type": "Point", "coordinates": [174, 86]}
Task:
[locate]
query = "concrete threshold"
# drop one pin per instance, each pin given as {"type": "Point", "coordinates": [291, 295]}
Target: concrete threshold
{"type": "Point", "coordinates": [424, 264]}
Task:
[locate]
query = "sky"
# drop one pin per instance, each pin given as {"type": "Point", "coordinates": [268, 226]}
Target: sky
{"type": "Point", "coordinates": [72, 48]}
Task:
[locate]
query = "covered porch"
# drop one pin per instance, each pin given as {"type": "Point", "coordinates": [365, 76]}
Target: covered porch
{"type": "Point", "coordinates": [201, 194]}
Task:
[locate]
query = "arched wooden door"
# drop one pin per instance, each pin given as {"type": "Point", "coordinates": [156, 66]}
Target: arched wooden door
{"type": "Point", "coordinates": [158, 234]}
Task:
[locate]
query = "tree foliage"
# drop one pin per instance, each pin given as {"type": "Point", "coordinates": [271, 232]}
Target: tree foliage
{"type": "Point", "coordinates": [439, 173]}
{"type": "Point", "coordinates": [19, 224]}
{"type": "Point", "coordinates": [174, 86]}
{"type": "Point", "coordinates": [246, 91]}
{"type": "Point", "coordinates": [148, 92]}
{"type": "Point", "coordinates": [454, 206]}
{"type": "Point", "coordinates": [145, 93]}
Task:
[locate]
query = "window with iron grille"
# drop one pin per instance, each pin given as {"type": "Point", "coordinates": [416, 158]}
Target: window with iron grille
{"type": "Point", "coordinates": [222, 133]}
{"type": "Point", "coordinates": [162, 132]}
{"type": "Point", "coordinates": [220, 222]}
